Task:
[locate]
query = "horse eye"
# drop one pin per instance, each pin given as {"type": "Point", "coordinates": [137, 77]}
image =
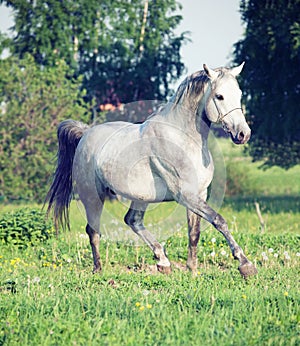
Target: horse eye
{"type": "Point", "coordinates": [219, 97]}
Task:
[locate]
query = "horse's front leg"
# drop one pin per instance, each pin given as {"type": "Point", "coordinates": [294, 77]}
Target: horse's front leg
{"type": "Point", "coordinates": [202, 209]}
{"type": "Point", "coordinates": [193, 221]}
{"type": "Point", "coordinates": [246, 267]}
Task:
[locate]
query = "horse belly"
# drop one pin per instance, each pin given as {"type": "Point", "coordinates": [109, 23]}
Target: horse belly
{"type": "Point", "coordinates": [132, 178]}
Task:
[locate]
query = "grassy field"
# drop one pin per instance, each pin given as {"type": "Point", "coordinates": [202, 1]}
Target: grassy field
{"type": "Point", "coordinates": [48, 295]}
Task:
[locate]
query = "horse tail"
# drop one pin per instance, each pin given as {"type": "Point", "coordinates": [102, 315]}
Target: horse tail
{"type": "Point", "coordinates": [59, 196]}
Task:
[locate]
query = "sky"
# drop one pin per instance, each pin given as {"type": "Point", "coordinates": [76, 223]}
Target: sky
{"type": "Point", "coordinates": [214, 26]}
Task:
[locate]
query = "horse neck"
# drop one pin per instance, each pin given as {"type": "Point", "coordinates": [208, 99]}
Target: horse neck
{"type": "Point", "coordinates": [189, 117]}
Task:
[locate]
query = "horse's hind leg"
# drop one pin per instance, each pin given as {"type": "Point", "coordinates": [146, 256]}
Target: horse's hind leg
{"type": "Point", "coordinates": [94, 241]}
{"type": "Point", "coordinates": [134, 218]}
{"type": "Point", "coordinates": [194, 235]}
{"type": "Point", "coordinates": [93, 213]}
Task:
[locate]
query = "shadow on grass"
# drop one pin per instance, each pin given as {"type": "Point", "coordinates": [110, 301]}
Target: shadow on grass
{"type": "Point", "coordinates": [271, 204]}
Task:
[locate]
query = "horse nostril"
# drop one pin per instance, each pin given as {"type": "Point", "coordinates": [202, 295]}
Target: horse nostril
{"type": "Point", "coordinates": [241, 136]}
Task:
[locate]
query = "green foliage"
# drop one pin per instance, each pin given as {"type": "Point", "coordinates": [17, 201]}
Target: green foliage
{"type": "Point", "coordinates": [126, 50]}
{"type": "Point", "coordinates": [238, 180]}
{"type": "Point", "coordinates": [270, 80]}
{"type": "Point", "coordinates": [34, 101]}
{"type": "Point", "coordinates": [47, 29]}
{"type": "Point", "coordinates": [25, 227]}
{"type": "Point", "coordinates": [131, 59]}
{"type": "Point", "coordinates": [4, 43]}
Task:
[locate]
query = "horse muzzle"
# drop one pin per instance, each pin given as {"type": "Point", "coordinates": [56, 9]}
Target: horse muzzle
{"type": "Point", "coordinates": [241, 137]}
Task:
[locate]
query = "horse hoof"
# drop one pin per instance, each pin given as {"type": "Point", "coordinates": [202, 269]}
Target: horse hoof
{"type": "Point", "coordinates": [164, 269]}
{"type": "Point", "coordinates": [97, 270]}
{"type": "Point", "coordinates": [247, 269]}
{"type": "Point", "coordinates": [192, 270]}
{"type": "Point", "coordinates": [192, 266]}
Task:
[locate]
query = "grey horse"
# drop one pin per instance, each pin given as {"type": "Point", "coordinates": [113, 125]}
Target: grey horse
{"type": "Point", "coordinates": [166, 158]}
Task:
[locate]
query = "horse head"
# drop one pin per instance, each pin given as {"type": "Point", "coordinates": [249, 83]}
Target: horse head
{"type": "Point", "coordinates": [223, 102]}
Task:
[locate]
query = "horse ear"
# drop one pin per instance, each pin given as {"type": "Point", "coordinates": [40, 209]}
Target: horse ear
{"type": "Point", "coordinates": [211, 74]}
{"type": "Point", "coordinates": [235, 71]}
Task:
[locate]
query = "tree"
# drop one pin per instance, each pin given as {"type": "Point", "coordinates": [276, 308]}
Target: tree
{"type": "Point", "coordinates": [270, 80]}
{"type": "Point", "coordinates": [34, 101]}
{"type": "Point", "coordinates": [126, 50]}
{"type": "Point", "coordinates": [4, 43]}
{"type": "Point", "coordinates": [138, 54]}
{"type": "Point", "coordinates": [49, 30]}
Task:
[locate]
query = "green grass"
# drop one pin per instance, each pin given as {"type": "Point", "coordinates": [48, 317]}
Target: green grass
{"type": "Point", "coordinates": [48, 295]}
{"type": "Point", "coordinates": [273, 181]}
{"type": "Point", "coordinates": [67, 308]}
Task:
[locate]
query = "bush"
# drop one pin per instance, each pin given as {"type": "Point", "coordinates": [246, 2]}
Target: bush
{"type": "Point", "coordinates": [239, 181]}
{"type": "Point", "coordinates": [25, 227]}
{"type": "Point", "coordinates": [33, 102]}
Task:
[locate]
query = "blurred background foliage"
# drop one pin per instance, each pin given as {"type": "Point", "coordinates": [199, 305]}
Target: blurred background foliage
{"type": "Point", "coordinates": [34, 101]}
{"type": "Point", "coordinates": [270, 80]}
